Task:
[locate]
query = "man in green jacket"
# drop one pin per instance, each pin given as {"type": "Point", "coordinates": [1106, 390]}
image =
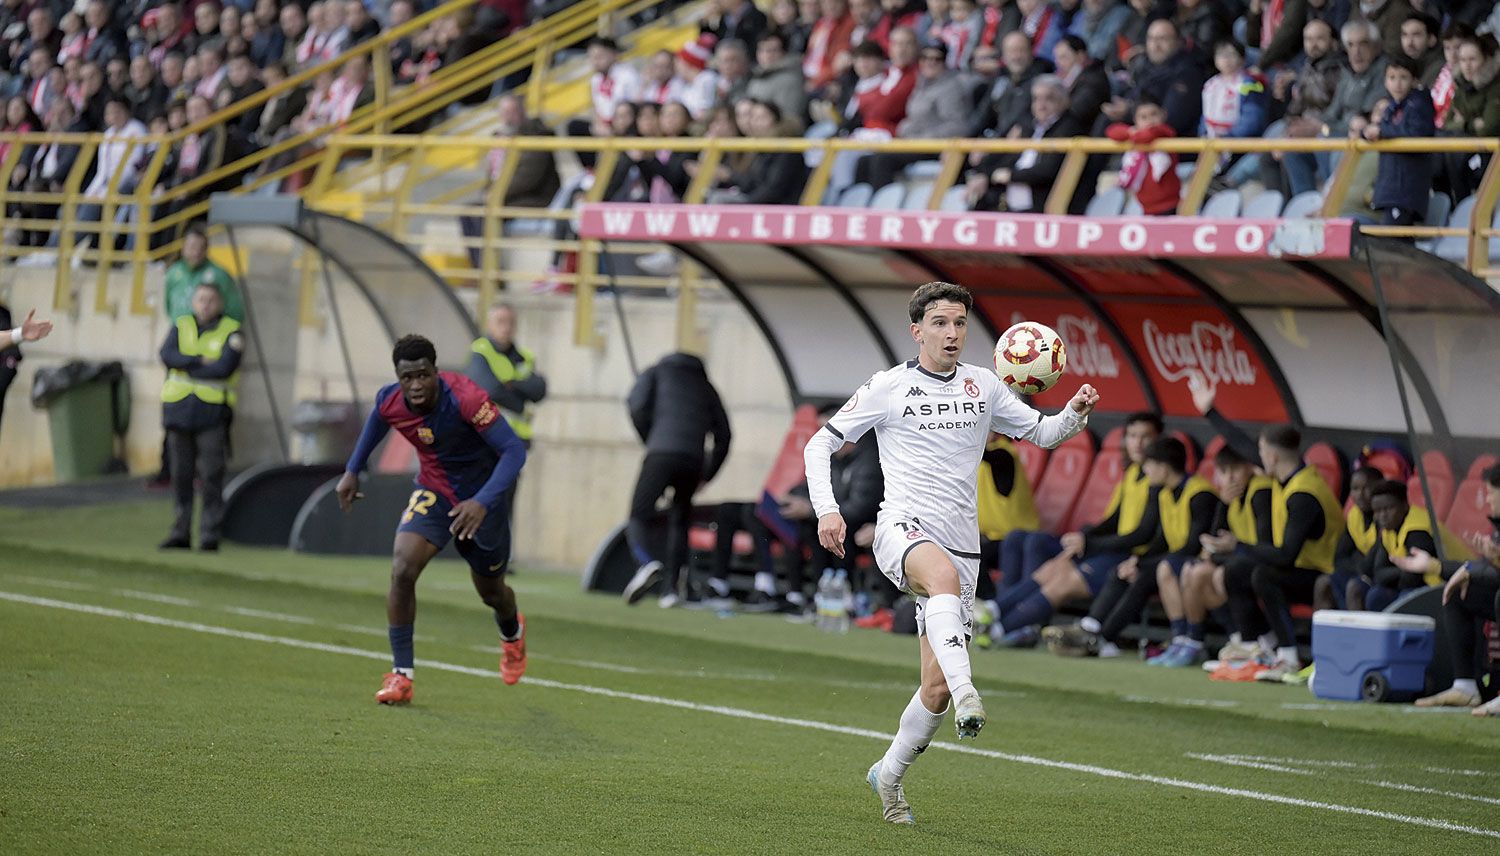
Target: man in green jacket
{"type": "Point", "coordinates": [193, 269]}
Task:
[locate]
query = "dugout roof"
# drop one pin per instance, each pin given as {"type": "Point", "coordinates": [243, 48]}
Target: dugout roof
{"type": "Point", "coordinates": [1283, 315]}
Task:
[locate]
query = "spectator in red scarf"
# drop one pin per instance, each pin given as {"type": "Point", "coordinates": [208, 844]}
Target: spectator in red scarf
{"type": "Point", "coordinates": [1149, 176]}
{"type": "Point", "coordinates": [828, 47]}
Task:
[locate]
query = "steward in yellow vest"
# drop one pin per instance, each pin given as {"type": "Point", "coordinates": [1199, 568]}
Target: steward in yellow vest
{"type": "Point", "coordinates": [202, 355]}
{"type": "Point", "coordinates": [1404, 529]}
{"type": "Point", "coordinates": [507, 371]}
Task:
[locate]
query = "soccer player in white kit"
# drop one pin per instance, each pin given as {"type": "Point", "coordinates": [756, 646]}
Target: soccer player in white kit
{"type": "Point", "coordinates": [932, 416]}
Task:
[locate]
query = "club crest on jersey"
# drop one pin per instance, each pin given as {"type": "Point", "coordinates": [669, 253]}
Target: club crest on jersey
{"type": "Point", "coordinates": [971, 389]}
{"type": "Point", "coordinates": [425, 435]}
{"type": "Point", "coordinates": [850, 404]}
{"type": "Point", "coordinates": [485, 415]}
{"type": "Point", "coordinates": [915, 534]}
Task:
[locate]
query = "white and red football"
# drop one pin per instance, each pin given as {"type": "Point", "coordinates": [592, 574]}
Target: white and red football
{"type": "Point", "coordinates": [1030, 357]}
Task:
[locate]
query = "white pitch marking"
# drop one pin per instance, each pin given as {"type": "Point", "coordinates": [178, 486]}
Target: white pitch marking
{"type": "Point", "coordinates": [1415, 789]}
{"type": "Point", "coordinates": [1183, 702]}
{"type": "Point", "coordinates": [156, 598]}
{"type": "Point", "coordinates": [741, 713]}
{"type": "Point", "coordinates": [62, 584]}
{"type": "Point", "coordinates": [1450, 772]}
{"type": "Point", "coordinates": [1237, 761]}
{"type": "Point", "coordinates": [1302, 762]}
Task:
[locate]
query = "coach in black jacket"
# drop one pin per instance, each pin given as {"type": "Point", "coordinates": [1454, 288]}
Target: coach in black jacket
{"type": "Point", "coordinates": [675, 410]}
{"type": "Point", "coordinates": [1032, 171]}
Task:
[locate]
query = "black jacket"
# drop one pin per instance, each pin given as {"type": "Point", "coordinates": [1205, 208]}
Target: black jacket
{"type": "Point", "coordinates": [858, 484]}
{"type": "Point", "coordinates": [1177, 85]}
{"type": "Point", "coordinates": [675, 409]}
{"type": "Point", "coordinates": [773, 178]}
{"type": "Point", "coordinates": [1087, 94]}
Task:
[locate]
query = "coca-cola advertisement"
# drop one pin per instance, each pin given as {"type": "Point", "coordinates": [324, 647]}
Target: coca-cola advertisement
{"type": "Point", "coordinates": [1178, 342]}
{"type": "Point", "coordinates": [1095, 356]}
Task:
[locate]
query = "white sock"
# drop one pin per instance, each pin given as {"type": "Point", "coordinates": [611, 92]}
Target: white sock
{"type": "Point", "coordinates": [1236, 639]}
{"type": "Point", "coordinates": [1267, 642]}
{"type": "Point", "coordinates": [765, 583]}
{"type": "Point", "coordinates": [1108, 650]}
{"type": "Point", "coordinates": [1090, 623]}
{"type": "Point", "coordinates": [918, 724]}
{"type": "Point", "coordinates": [1288, 655]}
{"type": "Point", "coordinates": [1466, 685]}
{"type": "Point", "coordinates": [796, 597]}
{"type": "Point", "coordinates": [720, 587]}
{"type": "Point", "coordinates": [411, 673]}
{"type": "Point", "coordinates": [945, 633]}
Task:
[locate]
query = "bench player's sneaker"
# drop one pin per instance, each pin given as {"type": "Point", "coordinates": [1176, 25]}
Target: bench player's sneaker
{"type": "Point", "coordinates": [892, 798]}
{"type": "Point", "coordinates": [395, 690]}
{"type": "Point", "coordinates": [968, 715]}
{"type": "Point", "coordinates": [513, 655]}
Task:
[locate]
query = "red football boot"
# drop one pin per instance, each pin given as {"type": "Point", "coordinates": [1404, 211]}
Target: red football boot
{"type": "Point", "coordinates": [395, 690]}
{"type": "Point", "coordinates": [513, 655]}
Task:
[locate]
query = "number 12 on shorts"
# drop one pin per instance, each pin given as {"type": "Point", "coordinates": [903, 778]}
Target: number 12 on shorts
{"type": "Point", "coordinates": [421, 502]}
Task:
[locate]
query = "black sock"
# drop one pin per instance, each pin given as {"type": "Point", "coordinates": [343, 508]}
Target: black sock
{"type": "Point", "coordinates": [510, 628]}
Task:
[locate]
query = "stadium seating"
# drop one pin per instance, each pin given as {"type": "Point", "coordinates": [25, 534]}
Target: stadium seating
{"type": "Point", "coordinates": [953, 199]}
{"type": "Point", "coordinates": [1206, 466]}
{"type": "Point", "coordinates": [1133, 208]}
{"type": "Point", "coordinates": [888, 198]}
{"type": "Point", "coordinates": [1330, 462]}
{"type": "Point", "coordinates": [1306, 204]}
{"type": "Point", "coordinates": [917, 196]}
{"type": "Point", "coordinates": [924, 170]}
{"type": "Point", "coordinates": [1470, 512]}
{"type": "Point", "coordinates": [1439, 480]}
{"type": "Point", "coordinates": [1033, 461]}
{"type": "Point", "coordinates": [856, 196]}
{"type": "Point", "coordinates": [1107, 204]}
{"type": "Point", "coordinates": [1058, 488]}
{"type": "Point", "coordinates": [1225, 203]}
{"type": "Point", "coordinates": [1266, 206]}
{"type": "Point", "coordinates": [1107, 469]}
{"type": "Point", "coordinates": [1455, 248]}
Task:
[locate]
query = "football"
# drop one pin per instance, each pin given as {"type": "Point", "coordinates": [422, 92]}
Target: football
{"type": "Point", "coordinates": [1030, 357]}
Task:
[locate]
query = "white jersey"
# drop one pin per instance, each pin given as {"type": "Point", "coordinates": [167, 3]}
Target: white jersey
{"type": "Point", "coordinates": [932, 430]}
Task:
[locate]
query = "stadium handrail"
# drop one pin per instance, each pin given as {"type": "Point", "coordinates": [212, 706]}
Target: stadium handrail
{"type": "Point", "coordinates": [399, 204]}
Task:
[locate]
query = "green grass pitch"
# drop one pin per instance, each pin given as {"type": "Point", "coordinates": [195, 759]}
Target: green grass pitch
{"type": "Point", "coordinates": [223, 704]}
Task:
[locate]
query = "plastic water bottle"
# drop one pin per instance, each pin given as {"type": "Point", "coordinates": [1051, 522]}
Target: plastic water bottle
{"type": "Point", "coordinates": [843, 601]}
{"type": "Point", "coordinates": [823, 601]}
{"type": "Point", "coordinates": [862, 604]}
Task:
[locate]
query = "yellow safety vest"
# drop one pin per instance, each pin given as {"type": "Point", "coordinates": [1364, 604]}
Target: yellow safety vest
{"type": "Point", "coordinates": [1419, 520]}
{"type": "Point", "coordinates": [1241, 512]}
{"type": "Point", "coordinates": [1130, 497]}
{"type": "Point", "coordinates": [209, 344]}
{"type": "Point", "coordinates": [1315, 555]}
{"type": "Point", "coordinates": [1361, 531]}
{"type": "Point", "coordinates": [1176, 512]}
{"type": "Point", "coordinates": [999, 515]}
{"type": "Point", "coordinates": [506, 371]}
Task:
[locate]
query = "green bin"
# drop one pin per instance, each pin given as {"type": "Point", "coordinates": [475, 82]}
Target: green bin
{"type": "Point", "coordinates": [88, 405]}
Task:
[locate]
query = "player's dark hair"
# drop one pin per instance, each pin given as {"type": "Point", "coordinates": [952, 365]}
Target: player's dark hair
{"type": "Point", "coordinates": [1147, 417]}
{"type": "Point", "coordinates": [1076, 43]}
{"type": "Point", "coordinates": [1231, 43]}
{"type": "Point", "coordinates": [413, 348]}
{"type": "Point", "coordinates": [1169, 451]}
{"type": "Point", "coordinates": [1365, 473]}
{"type": "Point", "coordinates": [1388, 487]}
{"type": "Point", "coordinates": [1428, 22]}
{"type": "Point", "coordinates": [1283, 437]}
{"type": "Point", "coordinates": [1405, 63]}
{"type": "Point", "coordinates": [1492, 476]}
{"type": "Point", "coordinates": [604, 42]}
{"type": "Point", "coordinates": [930, 293]}
{"type": "Point", "coordinates": [1227, 458]}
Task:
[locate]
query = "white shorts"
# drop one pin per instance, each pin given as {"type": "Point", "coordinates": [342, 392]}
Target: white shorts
{"type": "Point", "coordinates": [895, 536]}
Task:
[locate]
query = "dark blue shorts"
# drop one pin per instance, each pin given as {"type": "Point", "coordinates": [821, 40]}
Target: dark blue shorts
{"type": "Point", "coordinates": [1177, 563]}
{"type": "Point", "coordinates": [488, 552]}
{"type": "Point", "coordinates": [1099, 570]}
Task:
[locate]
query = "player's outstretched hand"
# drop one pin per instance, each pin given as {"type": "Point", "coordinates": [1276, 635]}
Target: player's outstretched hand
{"type": "Point", "coordinates": [33, 330]}
{"type": "Point", "coordinates": [1084, 400]}
{"type": "Point", "coordinates": [348, 491]}
{"type": "Point", "coordinates": [831, 532]}
{"type": "Point", "coordinates": [1417, 562]}
{"type": "Point", "coordinates": [467, 516]}
{"type": "Point", "coordinates": [1203, 394]}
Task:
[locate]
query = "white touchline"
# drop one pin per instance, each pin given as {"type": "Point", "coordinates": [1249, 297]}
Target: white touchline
{"type": "Point", "coordinates": [741, 713]}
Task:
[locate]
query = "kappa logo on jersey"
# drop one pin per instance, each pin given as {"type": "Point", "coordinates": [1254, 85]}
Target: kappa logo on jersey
{"type": "Point", "coordinates": [486, 415]}
{"type": "Point", "coordinates": [971, 389]}
{"type": "Point", "coordinates": [914, 392]}
{"type": "Point", "coordinates": [425, 435]}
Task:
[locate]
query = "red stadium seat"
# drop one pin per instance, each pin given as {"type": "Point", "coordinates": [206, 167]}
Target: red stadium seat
{"type": "Point", "coordinates": [1439, 480]}
{"type": "Point", "coordinates": [1108, 468]}
{"type": "Point", "coordinates": [1192, 448]}
{"type": "Point", "coordinates": [1033, 461]}
{"type": "Point", "coordinates": [1470, 514]}
{"type": "Point", "coordinates": [1206, 466]}
{"type": "Point", "coordinates": [1115, 439]}
{"type": "Point", "coordinates": [1391, 461]}
{"type": "Point", "coordinates": [1058, 489]}
{"type": "Point", "coordinates": [1330, 462]}
{"type": "Point", "coordinates": [396, 456]}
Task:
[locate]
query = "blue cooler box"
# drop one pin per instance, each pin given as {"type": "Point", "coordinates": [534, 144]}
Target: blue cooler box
{"type": "Point", "coordinates": [1370, 656]}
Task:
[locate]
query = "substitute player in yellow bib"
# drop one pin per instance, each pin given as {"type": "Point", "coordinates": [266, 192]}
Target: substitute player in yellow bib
{"type": "Point", "coordinates": [932, 416]}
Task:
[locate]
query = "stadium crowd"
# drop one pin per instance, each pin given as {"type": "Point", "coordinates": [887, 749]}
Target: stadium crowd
{"type": "Point", "coordinates": [125, 69]}
{"type": "Point", "coordinates": [1133, 71]}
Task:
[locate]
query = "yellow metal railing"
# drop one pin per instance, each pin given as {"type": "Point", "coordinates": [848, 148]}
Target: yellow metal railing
{"type": "Point", "coordinates": [395, 206]}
